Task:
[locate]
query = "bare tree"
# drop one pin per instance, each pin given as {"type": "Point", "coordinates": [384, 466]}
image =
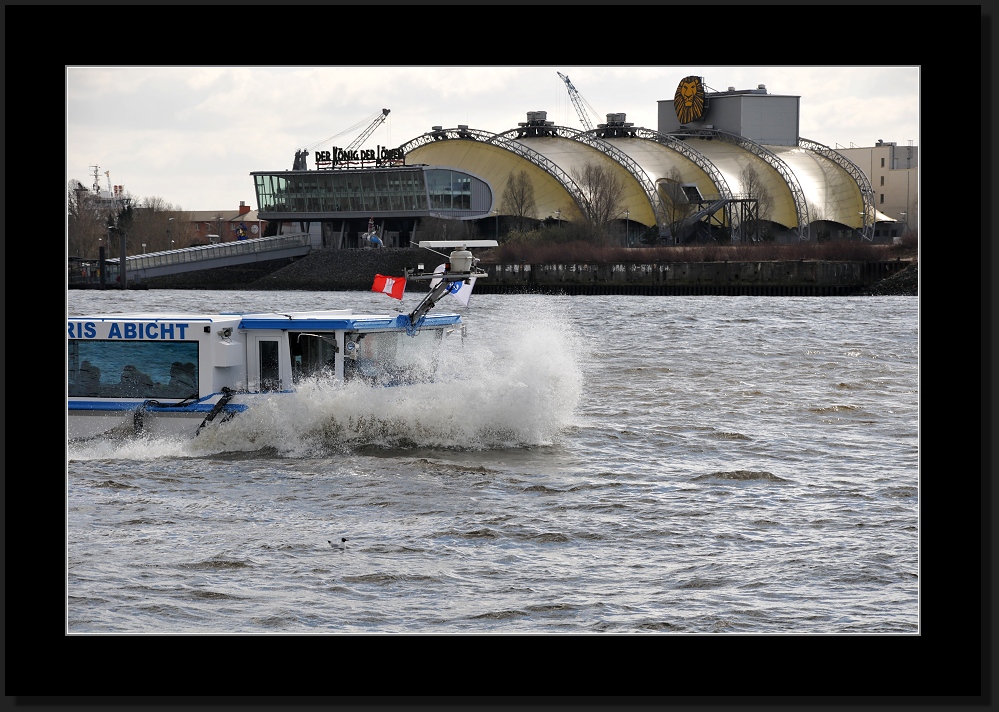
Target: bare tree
{"type": "Point", "coordinates": [754, 219]}
{"type": "Point", "coordinates": [156, 225]}
{"type": "Point", "coordinates": [85, 226]}
{"type": "Point", "coordinates": [93, 220]}
{"type": "Point", "coordinates": [602, 199]}
{"type": "Point", "coordinates": [518, 198]}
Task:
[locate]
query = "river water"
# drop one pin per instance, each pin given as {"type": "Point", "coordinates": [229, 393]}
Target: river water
{"type": "Point", "coordinates": [612, 464]}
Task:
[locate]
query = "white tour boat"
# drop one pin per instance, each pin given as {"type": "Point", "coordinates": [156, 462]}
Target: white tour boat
{"type": "Point", "coordinates": [174, 374]}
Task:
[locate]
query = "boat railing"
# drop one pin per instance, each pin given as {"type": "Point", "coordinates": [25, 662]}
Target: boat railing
{"type": "Point", "coordinates": [208, 252]}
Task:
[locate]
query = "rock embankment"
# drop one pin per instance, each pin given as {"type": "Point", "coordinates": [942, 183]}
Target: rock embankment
{"type": "Point", "coordinates": [900, 284]}
{"type": "Point", "coordinates": [329, 270]}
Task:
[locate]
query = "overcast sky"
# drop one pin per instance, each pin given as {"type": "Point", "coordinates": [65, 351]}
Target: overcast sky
{"type": "Point", "coordinates": [192, 136]}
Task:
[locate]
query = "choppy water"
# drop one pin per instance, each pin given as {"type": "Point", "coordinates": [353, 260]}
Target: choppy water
{"type": "Point", "coordinates": [607, 464]}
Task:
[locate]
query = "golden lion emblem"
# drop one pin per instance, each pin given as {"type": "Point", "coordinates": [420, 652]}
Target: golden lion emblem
{"type": "Point", "coordinates": [689, 100]}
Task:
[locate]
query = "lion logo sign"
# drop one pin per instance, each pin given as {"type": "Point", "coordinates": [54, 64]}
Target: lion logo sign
{"type": "Point", "coordinates": [689, 100]}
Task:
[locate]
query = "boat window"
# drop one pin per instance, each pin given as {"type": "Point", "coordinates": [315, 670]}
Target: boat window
{"type": "Point", "coordinates": [133, 369]}
{"type": "Point", "coordinates": [270, 365]}
{"type": "Point", "coordinates": [312, 354]}
{"type": "Point", "coordinates": [392, 357]}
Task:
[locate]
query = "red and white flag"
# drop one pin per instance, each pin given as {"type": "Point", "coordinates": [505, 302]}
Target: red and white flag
{"type": "Point", "coordinates": [392, 286]}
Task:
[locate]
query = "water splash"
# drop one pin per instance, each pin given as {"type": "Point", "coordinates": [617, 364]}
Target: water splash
{"type": "Point", "coordinates": [518, 387]}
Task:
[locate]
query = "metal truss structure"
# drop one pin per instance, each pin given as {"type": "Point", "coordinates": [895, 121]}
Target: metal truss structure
{"type": "Point", "coordinates": [505, 142]}
{"type": "Point", "coordinates": [760, 151]}
{"type": "Point", "coordinates": [592, 140]}
{"type": "Point", "coordinates": [595, 138]}
{"type": "Point", "coordinates": [866, 189]}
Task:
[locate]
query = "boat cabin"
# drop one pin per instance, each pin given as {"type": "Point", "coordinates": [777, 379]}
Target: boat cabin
{"type": "Point", "coordinates": [178, 358]}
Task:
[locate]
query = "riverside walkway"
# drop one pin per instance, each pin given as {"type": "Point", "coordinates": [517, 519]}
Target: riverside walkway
{"type": "Point", "coordinates": [202, 257]}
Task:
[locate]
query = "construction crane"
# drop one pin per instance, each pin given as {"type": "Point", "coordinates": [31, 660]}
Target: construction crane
{"type": "Point", "coordinates": [578, 102]}
{"type": "Point", "coordinates": [373, 123]}
{"type": "Point", "coordinates": [356, 143]}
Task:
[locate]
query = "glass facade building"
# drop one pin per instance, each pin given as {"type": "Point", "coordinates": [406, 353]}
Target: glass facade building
{"type": "Point", "coordinates": [404, 191]}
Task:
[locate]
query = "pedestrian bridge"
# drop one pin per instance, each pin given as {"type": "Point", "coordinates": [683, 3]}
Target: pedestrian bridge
{"type": "Point", "coordinates": [189, 259]}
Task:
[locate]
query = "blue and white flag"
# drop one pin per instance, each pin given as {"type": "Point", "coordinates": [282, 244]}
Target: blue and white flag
{"type": "Point", "coordinates": [458, 290]}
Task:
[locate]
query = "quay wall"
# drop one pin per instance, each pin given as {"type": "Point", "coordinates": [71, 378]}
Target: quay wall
{"type": "Point", "coordinates": [341, 270]}
{"type": "Point", "coordinates": [804, 277]}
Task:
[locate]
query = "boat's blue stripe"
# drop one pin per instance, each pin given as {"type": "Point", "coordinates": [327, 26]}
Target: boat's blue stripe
{"type": "Point", "coordinates": [349, 324]}
{"type": "Point", "coordinates": [124, 407]}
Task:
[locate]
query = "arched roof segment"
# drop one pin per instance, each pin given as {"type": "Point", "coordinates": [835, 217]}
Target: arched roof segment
{"type": "Point", "coordinates": [572, 156]}
{"type": "Point", "coordinates": [469, 137]}
{"type": "Point", "coordinates": [867, 191]}
{"type": "Point", "coordinates": [731, 159]}
{"type": "Point", "coordinates": [658, 161]}
{"type": "Point", "coordinates": [831, 192]}
{"type": "Point", "coordinates": [631, 204]}
{"type": "Point", "coordinates": [496, 166]}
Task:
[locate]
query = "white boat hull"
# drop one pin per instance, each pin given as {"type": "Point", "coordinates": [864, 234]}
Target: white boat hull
{"type": "Point", "coordinates": [89, 419]}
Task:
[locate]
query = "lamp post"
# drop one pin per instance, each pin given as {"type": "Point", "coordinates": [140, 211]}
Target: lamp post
{"type": "Point", "coordinates": [143, 248]}
{"type": "Point", "coordinates": [627, 231]}
{"type": "Point", "coordinates": [122, 257]}
{"type": "Point", "coordinates": [905, 221]}
{"type": "Point", "coordinates": [169, 237]}
{"type": "Point", "coordinates": [558, 217]}
{"type": "Point", "coordinates": [496, 215]}
{"type": "Point", "coordinates": [101, 275]}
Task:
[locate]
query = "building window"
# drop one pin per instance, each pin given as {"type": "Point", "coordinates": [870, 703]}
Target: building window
{"type": "Point", "coordinates": [882, 198]}
{"type": "Point", "coordinates": [882, 163]}
{"type": "Point", "coordinates": [882, 180]}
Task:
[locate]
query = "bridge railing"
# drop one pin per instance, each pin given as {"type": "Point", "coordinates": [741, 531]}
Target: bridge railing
{"type": "Point", "coordinates": [208, 252]}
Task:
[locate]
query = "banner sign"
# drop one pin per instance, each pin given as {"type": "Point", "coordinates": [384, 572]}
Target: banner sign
{"type": "Point", "coordinates": [377, 155]}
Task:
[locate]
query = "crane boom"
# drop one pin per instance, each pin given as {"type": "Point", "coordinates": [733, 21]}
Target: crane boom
{"type": "Point", "coordinates": [356, 143]}
{"type": "Point", "coordinates": [577, 101]}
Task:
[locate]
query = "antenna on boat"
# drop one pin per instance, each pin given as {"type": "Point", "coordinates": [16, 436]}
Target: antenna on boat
{"type": "Point", "coordinates": [461, 268]}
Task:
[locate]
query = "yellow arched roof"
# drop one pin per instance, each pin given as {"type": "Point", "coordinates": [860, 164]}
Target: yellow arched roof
{"type": "Point", "coordinates": [658, 161]}
{"type": "Point", "coordinates": [829, 191]}
{"type": "Point", "coordinates": [731, 159]}
{"type": "Point", "coordinates": [496, 166]}
{"type": "Point", "coordinates": [572, 156]}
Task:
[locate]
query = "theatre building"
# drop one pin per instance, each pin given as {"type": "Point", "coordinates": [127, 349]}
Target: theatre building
{"type": "Point", "coordinates": [720, 166]}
